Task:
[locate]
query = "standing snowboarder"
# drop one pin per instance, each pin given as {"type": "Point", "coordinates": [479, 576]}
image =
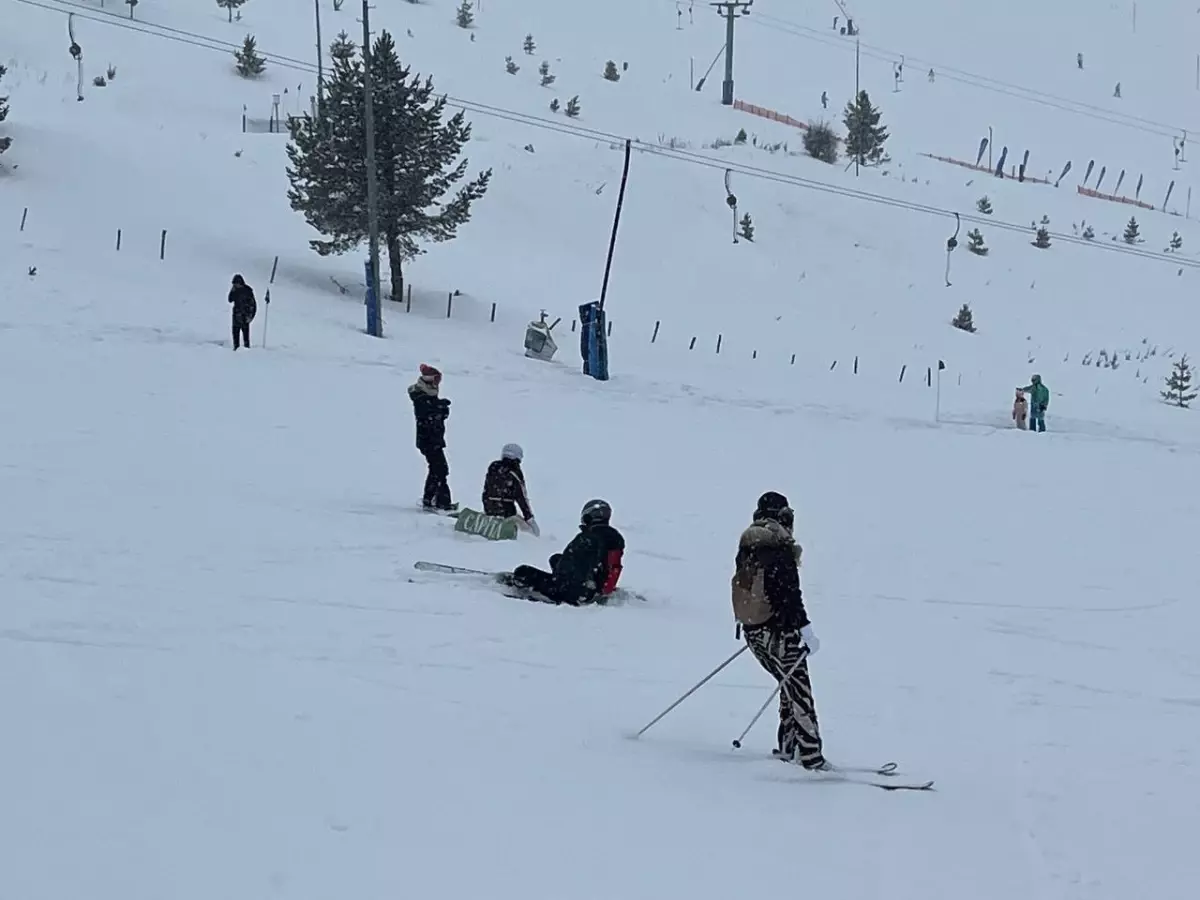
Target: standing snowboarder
{"type": "Point", "coordinates": [431, 412]}
{"type": "Point", "coordinates": [504, 488]}
{"type": "Point", "coordinates": [769, 606]}
{"type": "Point", "coordinates": [241, 295]}
{"type": "Point", "coordinates": [586, 571]}
{"type": "Point", "coordinates": [1039, 402]}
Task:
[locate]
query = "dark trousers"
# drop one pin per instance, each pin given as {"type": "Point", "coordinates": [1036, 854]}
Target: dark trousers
{"type": "Point", "coordinates": [502, 508]}
{"type": "Point", "coordinates": [780, 652]}
{"type": "Point", "coordinates": [437, 485]}
{"type": "Point", "coordinates": [534, 579]}
{"type": "Point", "coordinates": [241, 327]}
{"type": "Point", "coordinates": [1037, 418]}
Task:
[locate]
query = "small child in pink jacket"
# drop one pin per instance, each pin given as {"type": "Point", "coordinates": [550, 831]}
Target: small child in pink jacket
{"type": "Point", "coordinates": [1020, 411]}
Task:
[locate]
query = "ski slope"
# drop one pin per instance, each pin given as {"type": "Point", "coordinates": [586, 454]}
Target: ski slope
{"type": "Point", "coordinates": [220, 674]}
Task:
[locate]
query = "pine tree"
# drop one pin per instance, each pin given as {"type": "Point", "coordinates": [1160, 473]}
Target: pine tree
{"type": "Point", "coordinates": [572, 110]}
{"type": "Point", "coordinates": [231, 5]}
{"type": "Point", "coordinates": [865, 137]}
{"type": "Point", "coordinates": [821, 143]}
{"type": "Point", "coordinates": [530, 46]}
{"type": "Point", "coordinates": [1042, 239]}
{"type": "Point", "coordinates": [249, 63]}
{"type": "Point", "coordinates": [1179, 384]}
{"type": "Point", "coordinates": [610, 71]}
{"type": "Point", "coordinates": [511, 67]}
{"type": "Point", "coordinates": [741, 137]}
{"type": "Point", "coordinates": [464, 16]}
{"type": "Point", "coordinates": [975, 245]}
{"type": "Point", "coordinates": [131, 4]}
{"type": "Point", "coordinates": [417, 157]}
{"type": "Point", "coordinates": [984, 205]}
{"type": "Point", "coordinates": [5, 142]}
{"type": "Point", "coordinates": [554, 105]}
{"type": "Point", "coordinates": [1176, 242]}
{"type": "Point", "coordinates": [964, 320]}
{"type": "Point", "coordinates": [746, 227]}
{"type": "Point", "coordinates": [1089, 233]}
{"type": "Point", "coordinates": [343, 47]}
{"type": "Point", "coordinates": [1132, 234]}
{"type": "Point", "coordinates": [544, 71]}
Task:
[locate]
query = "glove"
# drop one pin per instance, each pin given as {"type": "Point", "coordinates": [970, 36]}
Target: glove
{"type": "Point", "coordinates": [533, 526]}
{"type": "Point", "coordinates": [811, 639]}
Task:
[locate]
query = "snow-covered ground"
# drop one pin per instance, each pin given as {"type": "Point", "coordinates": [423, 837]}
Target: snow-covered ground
{"type": "Point", "coordinates": [220, 674]}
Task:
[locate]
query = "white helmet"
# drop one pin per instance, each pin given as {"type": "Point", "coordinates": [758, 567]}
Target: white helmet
{"type": "Point", "coordinates": [512, 451]}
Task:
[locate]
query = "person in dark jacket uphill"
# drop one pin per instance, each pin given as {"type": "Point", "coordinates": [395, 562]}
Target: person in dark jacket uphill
{"type": "Point", "coordinates": [769, 606]}
{"type": "Point", "coordinates": [241, 295]}
{"type": "Point", "coordinates": [586, 571]}
{"type": "Point", "coordinates": [504, 488]}
{"type": "Point", "coordinates": [431, 412]}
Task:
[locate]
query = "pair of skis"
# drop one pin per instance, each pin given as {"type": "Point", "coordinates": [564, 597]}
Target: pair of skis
{"type": "Point", "coordinates": [620, 594]}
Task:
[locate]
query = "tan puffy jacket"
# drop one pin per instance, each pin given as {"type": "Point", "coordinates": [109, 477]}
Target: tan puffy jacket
{"type": "Point", "coordinates": [766, 580]}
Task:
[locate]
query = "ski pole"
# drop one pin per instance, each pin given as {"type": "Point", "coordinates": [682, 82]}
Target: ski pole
{"type": "Point", "coordinates": [803, 656]}
{"type": "Point", "coordinates": [266, 317]}
{"type": "Point", "coordinates": [697, 687]}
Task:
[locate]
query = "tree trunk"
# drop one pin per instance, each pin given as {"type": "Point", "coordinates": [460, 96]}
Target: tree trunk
{"type": "Point", "coordinates": [396, 263]}
{"type": "Point", "coordinates": [230, 8]}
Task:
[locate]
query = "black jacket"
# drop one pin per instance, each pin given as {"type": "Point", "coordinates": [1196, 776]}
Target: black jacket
{"type": "Point", "coordinates": [244, 305]}
{"type": "Point", "coordinates": [588, 568]}
{"type": "Point", "coordinates": [504, 490]}
{"type": "Point", "coordinates": [431, 412]}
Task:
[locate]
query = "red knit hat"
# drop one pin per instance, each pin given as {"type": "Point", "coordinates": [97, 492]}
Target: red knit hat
{"type": "Point", "coordinates": [430, 374]}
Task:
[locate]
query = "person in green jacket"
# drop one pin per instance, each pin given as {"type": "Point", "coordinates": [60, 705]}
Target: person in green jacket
{"type": "Point", "coordinates": [1039, 401]}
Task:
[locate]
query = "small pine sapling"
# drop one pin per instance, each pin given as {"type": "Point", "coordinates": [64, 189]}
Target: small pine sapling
{"type": "Point", "coordinates": [1089, 233]}
{"type": "Point", "coordinates": [249, 63]}
{"type": "Point", "coordinates": [544, 71]}
{"type": "Point", "coordinates": [975, 242]}
{"type": "Point", "coordinates": [511, 67]}
{"type": "Point", "coordinates": [984, 205]}
{"type": "Point", "coordinates": [230, 6]}
{"type": "Point", "coordinates": [610, 71]}
{"type": "Point", "coordinates": [99, 81]}
{"type": "Point", "coordinates": [741, 136]}
{"type": "Point", "coordinates": [964, 321]}
{"type": "Point", "coordinates": [1045, 220]}
{"type": "Point", "coordinates": [464, 16]}
{"type": "Point", "coordinates": [554, 105]}
{"type": "Point", "coordinates": [865, 137]}
{"type": "Point", "coordinates": [821, 143]}
{"type": "Point", "coordinates": [746, 228]}
{"type": "Point", "coordinates": [572, 110]}
{"type": "Point", "coordinates": [1179, 384]}
{"type": "Point", "coordinates": [1042, 239]}
{"type": "Point", "coordinates": [1176, 242]}
{"type": "Point", "coordinates": [1132, 233]}
{"type": "Point", "coordinates": [111, 72]}
{"type": "Point", "coordinates": [530, 46]}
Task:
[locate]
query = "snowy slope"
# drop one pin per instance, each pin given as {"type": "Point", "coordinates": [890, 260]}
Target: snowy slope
{"type": "Point", "coordinates": [220, 675]}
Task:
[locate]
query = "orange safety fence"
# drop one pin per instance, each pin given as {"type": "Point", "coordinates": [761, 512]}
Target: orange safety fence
{"type": "Point", "coordinates": [986, 169]}
{"type": "Point", "coordinates": [771, 114]}
{"type": "Point", "coordinates": [1088, 192]}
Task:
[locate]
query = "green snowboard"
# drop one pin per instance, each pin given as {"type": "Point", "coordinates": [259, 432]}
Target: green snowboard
{"type": "Point", "coordinates": [494, 528]}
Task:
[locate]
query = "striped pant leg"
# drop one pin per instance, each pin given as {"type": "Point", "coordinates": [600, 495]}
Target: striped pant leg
{"type": "Point", "coordinates": [799, 732]}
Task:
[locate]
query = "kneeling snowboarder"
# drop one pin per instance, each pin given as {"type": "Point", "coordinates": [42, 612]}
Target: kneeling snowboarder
{"type": "Point", "coordinates": [587, 570]}
{"type": "Point", "coordinates": [504, 488]}
{"type": "Point", "coordinates": [769, 606]}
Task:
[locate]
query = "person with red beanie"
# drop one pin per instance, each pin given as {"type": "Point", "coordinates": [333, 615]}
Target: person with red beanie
{"type": "Point", "coordinates": [431, 412]}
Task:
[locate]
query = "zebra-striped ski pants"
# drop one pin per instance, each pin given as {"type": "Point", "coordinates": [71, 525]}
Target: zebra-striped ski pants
{"type": "Point", "coordinates": [779, 652]}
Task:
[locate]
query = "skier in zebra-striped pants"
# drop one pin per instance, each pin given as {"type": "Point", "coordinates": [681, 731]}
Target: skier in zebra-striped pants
{"type": "Point", "coordinates": [768, 604]}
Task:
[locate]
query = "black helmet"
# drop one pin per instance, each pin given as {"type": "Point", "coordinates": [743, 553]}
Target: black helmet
{"type": "Point", "coordinates": [773, 505]}
{"type": "Point", "coordinates": [595, 512]}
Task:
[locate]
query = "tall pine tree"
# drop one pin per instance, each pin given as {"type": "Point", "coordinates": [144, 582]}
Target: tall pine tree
{"type": "Point", "coordinates": [865, 137]}
{"type": "Point", "coordinates": [5, 142]}
{"type": "Point", "coordinates": [416, 167]}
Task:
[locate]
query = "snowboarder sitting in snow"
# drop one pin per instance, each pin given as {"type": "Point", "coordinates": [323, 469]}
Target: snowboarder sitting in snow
{"type": "Point", "coordinates": [504, 488]}
{"type": "Point", "coordinates": [1020, 407]}
{"type": "Point", "coordinates": [586, 571]}
{"type": "Point", "coordinates": [769, 607]}
{"type": "Point", "coordinates": [431, 412]}
{"type": "Point", "coordinates": [1039, 402]}
{"type": "Point", "coordinates": [241, 295]}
